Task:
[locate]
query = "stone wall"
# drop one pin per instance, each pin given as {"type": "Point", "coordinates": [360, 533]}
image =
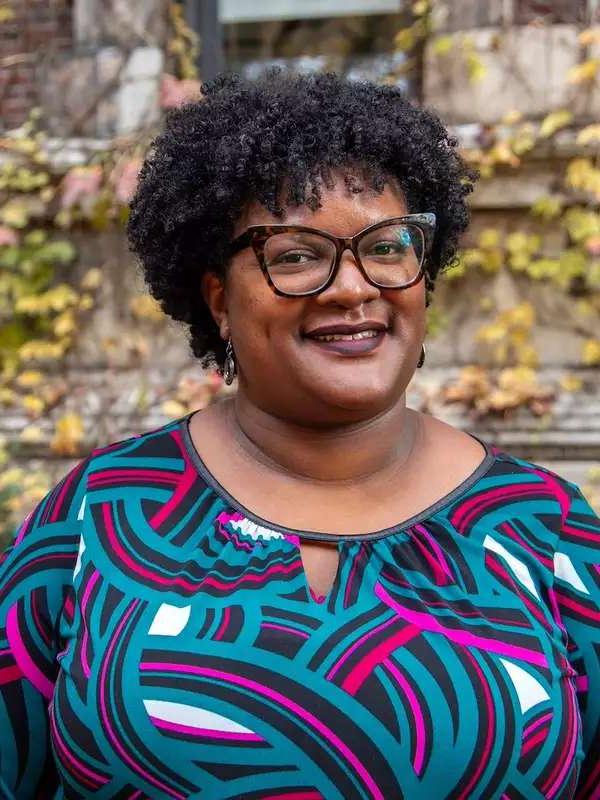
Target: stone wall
{"type": "Point", "coordinates": [123, 368]}
{"type": "Point", "coordinates": [39, 32]}
{"type": "Point", "coordinates": [94, 68]}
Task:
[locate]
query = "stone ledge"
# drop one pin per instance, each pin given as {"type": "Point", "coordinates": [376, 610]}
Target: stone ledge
{"type": "Point", "coordinates": [571, 432]}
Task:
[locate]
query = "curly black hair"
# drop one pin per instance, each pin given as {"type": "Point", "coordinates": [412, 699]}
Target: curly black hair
{"type": "Point", "coordinates": [246, 140]}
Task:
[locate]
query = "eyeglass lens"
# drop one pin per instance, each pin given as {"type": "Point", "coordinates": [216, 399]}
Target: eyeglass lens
{"type": "Point", "coordinates": [299, 261]}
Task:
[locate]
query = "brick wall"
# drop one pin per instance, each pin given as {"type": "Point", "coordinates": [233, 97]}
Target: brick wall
{"type": "Point", "coordinates": [39, 33]}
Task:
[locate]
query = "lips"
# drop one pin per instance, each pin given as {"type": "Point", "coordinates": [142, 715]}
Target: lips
{"type": "Point", "coordinates": [349, 340]}
{"type": "Point", "coordinates": [347, 331]}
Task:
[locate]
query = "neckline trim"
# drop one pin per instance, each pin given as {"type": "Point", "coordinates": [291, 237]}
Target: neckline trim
{"type": "Point", "coordinates": [444, 501]}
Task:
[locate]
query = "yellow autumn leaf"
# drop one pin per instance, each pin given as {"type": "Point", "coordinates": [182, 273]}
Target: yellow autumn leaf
{"type": "Point", "coordinates": [523, 140]}
{"type": "Point", "coordinates": [60, 297]}
{"type": "Point", "coordinates": [405, 39]}
{"type": "Point", "coordinates": [172, 408]}
{"type": "Point", "coordinates": [589, 36]}
{"type": "Point", "coordinates": [578, 172]}
{"type": "Point", "coordinates": [516, 242]}
{"type": "Point", "coordinates": [518, 336]}
{"type": "Point", "coordinates": [420, 7]}
{"type": "Point", "coordinates": [492, 260]}
{"type": "Point", "coordinates": [86, 301]}
{"type": "Point", "coordinates": [92, 279]}
{"type": "Point", "coordinates": [518, 379]}
{"type": "Point", "coordinates": [489, 237]}
{"type": "Point", "coordinates": [542, 268]}
{"type": "Point", "coordinates": [582, 223]}
{"type": "Point", "coordinates": [35, 405]}
{"type": "Point", "coordinates": [555, 121]}
{"type": "Point", "coordinates": [64, 324]}
{"type": "Point", "coordinates": [512, 117]}
{"type": "Point", "coordinates": [38, 349]}
{"type": "Point", "coordinates": [547, 207]}
{"type": "Point", "coordinates": [501, 153]}
{"type": "Point", "coordinates": [476, 69]}
{"type": "Point", "coordinates": [11, 477]}
{"type": "Point", "coordinates": [476, 377]}
{"type": "Point", "coordinates": [527, 355]}
{"type": "Point", "coordinates": [571, 383]}
{"type": "Point", "coordinates": [589, 134]}
{"type": "Point", "coordinates": [586, 71]}
{"type": "Point", "coordinates": [144, 306]}
{"type": "Point", "coordinates": [7, 396]}
{"type": "Point", "coordinates": [442, 45]}
{"type": "Point", "coordinates": [591, 352]}
{"type": "Point", "coordinates": [501, 399]}
{"type": "Point", "coordinates": [523, 315]}
{"type": "Point", "coordinates": [14, 214]}
{"type": "Point", "coordinates": [56, 299]}
{"type": "Point", "coordinates": [47, 194]}
{"type": "Point", "coordinates": [31, 434]}
{"type": "Point", "coordinates": [68, 434]}
{"type": "Point", "coordinates": [584, 308]}
{"type": "Point", "coordinates": [494, 332]}
{"type": "Point", "coordinates": [519, 261]}
{"type": "Point", "coordinates": [29, 379]}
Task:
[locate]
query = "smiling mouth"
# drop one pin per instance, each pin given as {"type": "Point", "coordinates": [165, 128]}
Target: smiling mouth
{"type": "Point", "coordinates": [346, 337]}
{"type": "Point", "coordinates": [348, 344]}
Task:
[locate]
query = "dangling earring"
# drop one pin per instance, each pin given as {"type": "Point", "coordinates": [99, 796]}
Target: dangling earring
{"type": "Point", "coordinates": [421, 360]}
{"type": "Point", "coordinates": [229, 366]}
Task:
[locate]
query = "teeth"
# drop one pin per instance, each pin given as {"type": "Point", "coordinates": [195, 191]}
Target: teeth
{"type": "Point", "coordinates": [347, 337]}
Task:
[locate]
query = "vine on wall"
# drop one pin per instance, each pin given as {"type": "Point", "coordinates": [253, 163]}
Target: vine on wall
{"type": "Point", "coordinates": [564, 250]}
{"type": "Point", "coordinates": [44, 298]}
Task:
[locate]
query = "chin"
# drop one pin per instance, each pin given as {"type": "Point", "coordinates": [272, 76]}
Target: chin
{"type": "Point", "coordinates": [361, 401]}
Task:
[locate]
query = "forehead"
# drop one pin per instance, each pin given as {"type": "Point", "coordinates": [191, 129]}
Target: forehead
{"type": "Point", "coordinates": [342, 211]}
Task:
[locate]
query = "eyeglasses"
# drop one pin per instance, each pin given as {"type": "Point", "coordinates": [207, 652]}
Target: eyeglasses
{"type": "Point", "coordinates": [298, 261]}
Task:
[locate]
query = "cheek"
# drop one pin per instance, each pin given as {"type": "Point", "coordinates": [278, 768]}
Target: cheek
{"type": "Point", "coordinates": [259, 318]}
{"type": "Point", "coordinates": [408, 308]}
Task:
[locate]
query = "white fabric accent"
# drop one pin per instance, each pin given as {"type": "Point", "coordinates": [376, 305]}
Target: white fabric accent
{"type": "Point", "coordinates": [529, 690]}
{"type": "Point", "coordinates": [80, 552]}
{"type": "Point", "coordinates": [169, 620]}
{"type": "Point", "coordinates": [250, 528]}
{"type": "Point", "coordinates": [192, 717]}
{"type": "Point", "coordinates": [564, 569]}
{"type": "Point", "coordinates": [81, 507]}
{"type": "Point", "coordinates": [518, 567]}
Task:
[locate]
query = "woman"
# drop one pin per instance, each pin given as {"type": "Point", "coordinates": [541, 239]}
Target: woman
{"type": "Point", "coordinates": [310, 590]}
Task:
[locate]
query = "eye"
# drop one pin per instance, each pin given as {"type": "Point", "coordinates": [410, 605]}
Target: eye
{"type": "Point", "coordinates": [400, 243]}
{"type": "Point", "coordinates": [294, 257]}
{"type": "Point", "coordinates": [385, 248]}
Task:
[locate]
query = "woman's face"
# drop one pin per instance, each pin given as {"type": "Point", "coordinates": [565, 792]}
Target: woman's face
{"type": "Point", "coordinates": [282, 367]}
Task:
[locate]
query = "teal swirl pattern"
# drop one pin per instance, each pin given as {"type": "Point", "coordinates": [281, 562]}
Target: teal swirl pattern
{"type": "Point", "coordinates": [159, 641]}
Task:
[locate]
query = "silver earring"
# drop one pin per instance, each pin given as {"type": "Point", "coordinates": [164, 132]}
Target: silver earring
{"type": "Point", "coordinates": [421, 360]}
{"type": "Point", "coordinates": [229, 366]}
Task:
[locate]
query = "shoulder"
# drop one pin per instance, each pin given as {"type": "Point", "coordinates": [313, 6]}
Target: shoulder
{"type": "Point", "coordinates": [163, 442]}
{"type": "Point", "coordinates": [64, 502]}
{"type": "Point", "coordinates": [153, 437]}
{"type": "Point", "coordinates": [558, 503]}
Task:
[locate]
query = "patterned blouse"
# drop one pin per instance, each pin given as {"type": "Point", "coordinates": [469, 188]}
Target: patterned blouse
{"type": "Point", "coordinates": [159, 640]}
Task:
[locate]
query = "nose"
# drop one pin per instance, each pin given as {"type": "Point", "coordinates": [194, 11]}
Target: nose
{"type": "Point", "coordinates": [349, 288]}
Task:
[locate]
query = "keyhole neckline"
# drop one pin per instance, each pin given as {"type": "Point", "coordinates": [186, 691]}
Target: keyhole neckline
{"type": "Point", "coordinates": [488, 461]}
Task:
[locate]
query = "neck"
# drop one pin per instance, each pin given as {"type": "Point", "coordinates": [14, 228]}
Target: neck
{"type": "Point", "coordinates": [336, 454]}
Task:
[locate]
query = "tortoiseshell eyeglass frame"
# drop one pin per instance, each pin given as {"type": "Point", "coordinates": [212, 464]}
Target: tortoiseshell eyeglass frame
{"type": "Point", "coordinates": [256, 236]}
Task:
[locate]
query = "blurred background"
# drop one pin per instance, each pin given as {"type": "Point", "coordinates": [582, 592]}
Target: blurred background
{"type": "Point", "coordinates": [88, 358]}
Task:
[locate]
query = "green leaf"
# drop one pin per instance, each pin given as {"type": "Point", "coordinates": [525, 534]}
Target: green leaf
{"type": "Point", "coordinates": [61, 251]}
